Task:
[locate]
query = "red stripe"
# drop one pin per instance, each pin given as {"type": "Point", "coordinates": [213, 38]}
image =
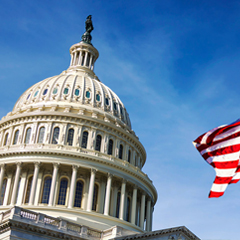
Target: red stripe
{"type": "Point", "coordinates": [210, 144]}
{"type": "Point", "coordinates": [222, 180]}
{"type": "Point", "coordinates": [234, 181]}
{"type": "Point", "coordinates": [215, 194]}
{"type": "Point", "coordinates": [222, 151]}
{"type": "Point", "coordinates": [225, 165]}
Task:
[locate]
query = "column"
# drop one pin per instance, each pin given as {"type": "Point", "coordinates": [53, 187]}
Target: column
{"type": "Point", "coordinates": [53, 184]}
{"type": "Point", "coordinates": [114, 200]}
{"type": "Point", "coordinates": [16, 183]}
{"type": "Point", "coordinates": [122, 200]}
{"type": "Point", "coordinates": [71, 60]}
{"type": "Point", "coordinates": [85, 60]}
{"type": "Point", "coordinates": [90, 62]}
{"type": "Point", "coordinates": [148, 222]}
{"type": "Point", "coordinates": [7, 192]}
{"type": "Point", "coordinates": [142, 213]}
{"type": "Point", "coordinates": [107, 196]}
{"type": "Point", "coordinates": [151, 218]}
{"type": "Point", "coordinates": [101, 198]}
{"type": "Point", "coordinates": [80, 58]}
{"type": "Point", "coordinates": [91, 190]}
{"type": "Point", "coordinates": [134, 205]}
{"type": "Point", "coordinates": [22, 185]}
{"type": "Point", "coordinates": [34, 182]}
{"type": "Point", "coordinates": [74, 58]}
{"type": "Point", "coordinates": [72, 186]}
{"type": "Point", "coordinates": [38, 188]}
{"type": "Point", "coordinates": [2, 176]}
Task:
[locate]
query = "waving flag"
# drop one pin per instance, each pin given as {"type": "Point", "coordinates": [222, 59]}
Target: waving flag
{"type": "Point", "coordinates": [220, 147]}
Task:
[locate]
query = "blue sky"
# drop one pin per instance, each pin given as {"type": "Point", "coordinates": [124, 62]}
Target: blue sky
{"type": "Point", "coordinates": [175, 66]}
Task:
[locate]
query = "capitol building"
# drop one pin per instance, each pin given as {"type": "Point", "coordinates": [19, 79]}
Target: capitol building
{"type": "Point", "coordinates": [71, 164]}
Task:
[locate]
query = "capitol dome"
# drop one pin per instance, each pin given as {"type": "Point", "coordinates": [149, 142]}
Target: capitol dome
{"type": "Point", "coordinates": [68, 150]}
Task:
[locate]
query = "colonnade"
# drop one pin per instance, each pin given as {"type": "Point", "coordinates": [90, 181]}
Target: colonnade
{"type": "Point", "coordinates": [82, 58]}
{"type": "Point", "coordinates": [140, 208]}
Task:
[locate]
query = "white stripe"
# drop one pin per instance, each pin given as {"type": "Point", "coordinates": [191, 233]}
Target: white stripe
{"type": "Point", "coordinates": [204, 139]}
{"type": "Point", "coordinates": [226, 143]}
{"type": "Point", "coordinates": [223, 158]}
{"type": "Point", "coordinates": [225, 172]}
{"type": "Point", "coordinates": [236, 176]}
{"type": "Point", "coordinates": [219, 187]}
{"type": "Point", "coordinates": [227, 133]}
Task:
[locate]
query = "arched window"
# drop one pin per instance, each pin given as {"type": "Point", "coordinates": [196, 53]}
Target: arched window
{"type": "Point", "coordinates": [6, 139]}
{"type": "Point", "coordinates": [70, 137]}
{"type": "Point", "coordinates": [55, 135]}
{"type": "Point", "coordinates": [29, 184]}
{"type": "Point", "coordinates": [128, 210]}
{"type": "Point", "coordinates": [46, 190]}
{"type": "Point", "coordinates": [98, 143]}
{"type": "Point", "coordinates": [15, 137]}
{"type": "Point", "coordinates": [84, 139]}
{"type": "Point", "coordinates": [28, 135]}
{"type": "Point", "coordinates": [62, 191]}
{"type": "Point", "coordinates": [41, 135]}
{"type": "Point", "coordinates": [129, 155]}
{"type": "Point", "coordinates": [110, 147]}
{"type": "Point", "coordinates": [3, 191]}
{"type": "Point", "coordinates": [78, 194]}
{"type": "Point", "coordinates": [118, 204]}
{"type": "Point", "coordinates": [120, 154]}
{"type": "Point", "coordinates": [95, 197]}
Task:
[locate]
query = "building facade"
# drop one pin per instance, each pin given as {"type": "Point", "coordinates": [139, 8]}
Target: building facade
{"type": "Point", "coordinates": [70, 159]}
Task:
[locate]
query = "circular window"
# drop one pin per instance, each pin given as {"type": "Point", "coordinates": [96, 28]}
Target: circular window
{"type": "Point", "coordinates": [98, 97]}
{"type": "Point", "coordinates": [65, 91]}
{"type": "Point", "coordinates": [77, 92]}
{"type": "Point", "coordinates": [45, 91]}
{"type": "Point", "coordinates": [87, 94]}
{"type": "Point", "coordinates": [36, 93]}
{"type": "Point", "coordinates": [55, 90]}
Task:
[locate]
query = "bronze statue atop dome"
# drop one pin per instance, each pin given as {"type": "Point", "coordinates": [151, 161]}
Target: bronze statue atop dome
{"type": "Point", "coordinates": [86, 37]}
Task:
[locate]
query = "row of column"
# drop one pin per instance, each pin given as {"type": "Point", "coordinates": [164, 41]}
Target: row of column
{"type": "Point", "coordinates": [82, 58]}
{"type": "Point", "coordinates": [71, 198]}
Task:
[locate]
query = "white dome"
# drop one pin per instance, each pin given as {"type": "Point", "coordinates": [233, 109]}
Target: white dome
{"type": "Point", "coordinates": [77, 89]}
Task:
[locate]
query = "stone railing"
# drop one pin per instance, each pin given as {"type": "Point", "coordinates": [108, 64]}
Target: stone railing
{"type": "Point", "coordinates": [50, 223]}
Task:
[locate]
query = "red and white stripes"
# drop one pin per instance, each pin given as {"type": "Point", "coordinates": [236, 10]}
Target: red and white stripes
{"type": "Point", "coordinates": [220, 147]}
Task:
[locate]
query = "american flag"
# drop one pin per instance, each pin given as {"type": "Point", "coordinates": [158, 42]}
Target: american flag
{"type": "Point", "coordinates": [220, 147]}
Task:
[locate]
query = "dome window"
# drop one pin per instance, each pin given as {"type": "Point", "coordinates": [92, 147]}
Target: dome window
{"type": "Point", "coordinates": [107, 101]}
{"type": "Point", "coordinates": [65, 91]}
{"type": "Point", "coordinates": [78, 194]}
{"type": "Point", "coordinates": [110, 147]}
{"type": "Point", "coordinates": [88, 94]}
{"type": "Point", "coordinates": [98, 143]}
{"type": "Point", "coordinates": [45, 91]}
{"type": "Point", "coordinates": [36, 93]}
{"type": "Point", "coordinates": [84, 139]}
{"type": "Point", "coordinates": [98, 97]}
{"type": "Point", "coordinates": [15, 137]}
{"type": "Point", "coordinates": [115, 106]}
{"type": "Point", "coordinates": [70, 137]}
{"type": "Point", "coordinates": [55, 90]}
{"type": "Point", "coordinates": [28, 96]}
{"type": "Point", "coordinates": [77, 92]}
{"type": "Point", "coordinates": [46, 190]}
{"type": "Point", "coordinates": [120, 154]}
{"type": "Point", "coordinates": [62, 191]}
